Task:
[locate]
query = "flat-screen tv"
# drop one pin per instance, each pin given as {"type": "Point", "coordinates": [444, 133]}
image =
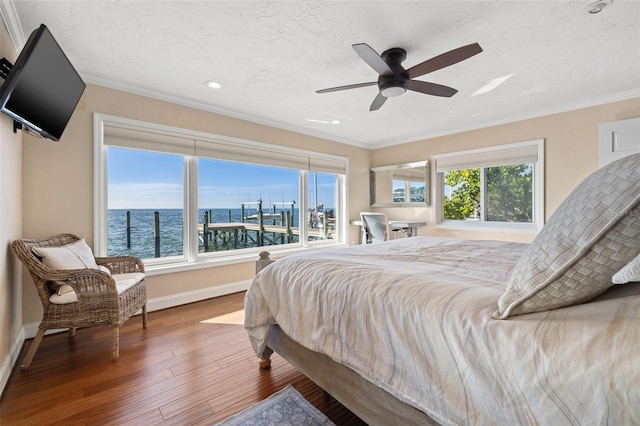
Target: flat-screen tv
{"type": "Point", "coordinates": [42, 88]}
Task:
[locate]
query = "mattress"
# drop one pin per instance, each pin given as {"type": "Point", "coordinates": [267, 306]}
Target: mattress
{"type": "Point", "coordinates": [414, 317]}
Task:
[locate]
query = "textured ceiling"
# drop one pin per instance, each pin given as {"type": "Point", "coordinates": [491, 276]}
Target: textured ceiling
{"type": "Point", "coordinates": [271, 57]}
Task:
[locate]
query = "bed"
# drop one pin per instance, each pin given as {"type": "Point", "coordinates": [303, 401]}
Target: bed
{"type": "Point", "coordinates": [429, 330]}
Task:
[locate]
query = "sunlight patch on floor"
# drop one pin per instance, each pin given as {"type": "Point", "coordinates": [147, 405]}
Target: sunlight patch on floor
{"type": "Point", "coordinates": [235, 318]}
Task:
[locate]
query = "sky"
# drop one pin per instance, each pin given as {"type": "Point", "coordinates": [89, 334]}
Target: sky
{"type": "Point", "coordinates": [150, 180]}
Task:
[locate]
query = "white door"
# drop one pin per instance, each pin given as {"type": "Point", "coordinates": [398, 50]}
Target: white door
{"type": "Point", "coordinates": [618, 139]}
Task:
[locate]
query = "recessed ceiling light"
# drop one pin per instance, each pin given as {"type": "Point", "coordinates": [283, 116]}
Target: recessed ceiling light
{"type": "Point", "coordinates": [313, 120]}
{"type": "Point", "coordinates": [597, 7]}
{"type": "Point", "coordinates": [213, 84]}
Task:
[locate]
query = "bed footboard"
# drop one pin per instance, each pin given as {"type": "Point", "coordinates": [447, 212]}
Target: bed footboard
{"type": "Point", "coordinates": [369, 402]}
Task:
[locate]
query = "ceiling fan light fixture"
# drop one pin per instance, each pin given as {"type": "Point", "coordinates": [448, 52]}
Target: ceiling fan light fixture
{"type": "Point", "coordinates": [393, 89]}
{"type": "Point", "coordinates": [394, 80]}
{"type": "Point", "coordinates": [392, 92]}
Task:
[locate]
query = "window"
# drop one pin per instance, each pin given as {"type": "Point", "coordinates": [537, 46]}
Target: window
{"type": "Point", "coordinates": [243, 205]}
{"type": "Point", "coordinates": [144, 188]}
{"type": "Point", "coordinates": [323, 201]}
{"type": "Point", "coordinates": [498, 187]}
{"type": "Point", "coordinates": [179, 199]}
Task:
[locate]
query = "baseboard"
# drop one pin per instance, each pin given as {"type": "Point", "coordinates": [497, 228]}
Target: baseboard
{"type": "Point", "coordinates": [29, 331]}
{"type": "Point", "coordinates": [10, 361]}
{"type": "Point", "coordinates": [195, 296]}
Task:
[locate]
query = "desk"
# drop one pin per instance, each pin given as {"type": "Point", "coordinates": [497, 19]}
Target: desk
{"type": "Point", "coordinates": [411, 226]}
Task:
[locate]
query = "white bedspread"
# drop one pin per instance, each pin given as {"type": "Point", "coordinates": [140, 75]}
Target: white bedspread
{"type": "Point", "coordinates": [413, 316]}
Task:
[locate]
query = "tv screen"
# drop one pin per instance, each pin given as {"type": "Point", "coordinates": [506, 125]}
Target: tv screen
{"type": "Point", "coordinates": [42, 88]}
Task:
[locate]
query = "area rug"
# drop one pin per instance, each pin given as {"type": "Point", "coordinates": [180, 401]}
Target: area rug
{"type": "Point", "coordinates": [285, 407]}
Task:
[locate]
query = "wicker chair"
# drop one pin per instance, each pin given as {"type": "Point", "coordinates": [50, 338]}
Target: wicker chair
{"type": "Point", "coordinates": [98, 301]}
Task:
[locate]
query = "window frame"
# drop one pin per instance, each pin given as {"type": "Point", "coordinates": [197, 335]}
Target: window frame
{"type": "Point", "coordinates": [499, 155]}
{"type": "Point", "coordinates": [192, 259]}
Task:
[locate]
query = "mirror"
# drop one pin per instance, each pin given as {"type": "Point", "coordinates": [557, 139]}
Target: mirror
{"type": "Point", "coordinates": [400, 185]}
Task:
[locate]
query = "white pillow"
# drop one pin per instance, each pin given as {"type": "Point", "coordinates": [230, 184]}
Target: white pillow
{"type": "Point", "coordinates": [77, 255]}
{"type": "Point", "coordinates": [629, 273]}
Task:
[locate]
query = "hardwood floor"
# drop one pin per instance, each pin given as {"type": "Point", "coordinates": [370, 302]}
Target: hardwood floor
{"type": "Point", "coordinates": [193, 365]}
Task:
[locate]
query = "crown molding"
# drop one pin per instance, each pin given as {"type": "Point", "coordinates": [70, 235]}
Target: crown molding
{"type": "Point", "coordinates": [165, 97]}
{"type": "Point", "coordinates": [12, 23]}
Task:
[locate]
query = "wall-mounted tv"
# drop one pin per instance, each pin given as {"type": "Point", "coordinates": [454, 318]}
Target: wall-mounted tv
{"type": "Point", "coordinates": [42, 88]}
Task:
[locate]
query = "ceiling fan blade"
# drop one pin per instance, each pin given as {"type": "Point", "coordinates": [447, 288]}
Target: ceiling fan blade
{"type": "Point", "coordinates": [377, 102]}
{"type": "Point", "coordinates": [431, 88]}
{"type": "Point", "coordinates": [372, 58]}
{"type": "Point", "coordinates": [350, 86]}
{"type": "Point", "coordinates": [449, 58]}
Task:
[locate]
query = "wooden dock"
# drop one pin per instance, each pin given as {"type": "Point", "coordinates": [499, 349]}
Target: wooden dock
{"type": "Point", "coordinates": [247, 233]}
{"type": "Point", "coordinates": [237, 233]}
{"type": "Point", "coordinates": [259, 229]}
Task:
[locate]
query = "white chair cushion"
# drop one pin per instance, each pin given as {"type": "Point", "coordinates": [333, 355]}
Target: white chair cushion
{"type": "Point", "coordinates": [123, 283]}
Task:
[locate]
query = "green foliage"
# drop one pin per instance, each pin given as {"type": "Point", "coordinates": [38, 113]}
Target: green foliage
{"type": "Point", "coordinates": [465, 196]}
{"type": "Point", "coordinates": [507, 196]}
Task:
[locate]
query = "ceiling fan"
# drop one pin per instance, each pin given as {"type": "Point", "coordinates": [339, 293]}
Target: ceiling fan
{"type": "Point", "coordinates": [394, 80]}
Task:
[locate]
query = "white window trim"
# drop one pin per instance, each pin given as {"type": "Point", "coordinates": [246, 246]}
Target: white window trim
{"type": "Point", "coordinates": [501, 152]}
{"type": "Point", "coordinates": [192, 259]}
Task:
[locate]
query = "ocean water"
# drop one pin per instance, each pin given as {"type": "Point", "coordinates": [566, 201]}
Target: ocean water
{"type": "Point", "coordinates": [142, 224]}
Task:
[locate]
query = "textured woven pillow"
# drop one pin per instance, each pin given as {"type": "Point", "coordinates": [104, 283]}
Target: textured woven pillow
{"type": "Point", "coordinates": [629, 273]}
{"type": "Point", "coordinates": [592, 235]}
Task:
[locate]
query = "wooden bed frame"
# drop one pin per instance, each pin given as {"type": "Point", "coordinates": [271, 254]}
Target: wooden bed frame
{"type": "Point", "coordinates": [370, 403]}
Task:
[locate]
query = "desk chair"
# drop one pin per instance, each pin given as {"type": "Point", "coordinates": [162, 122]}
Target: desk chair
{"type": "Point", "coordinates": [375, 227]}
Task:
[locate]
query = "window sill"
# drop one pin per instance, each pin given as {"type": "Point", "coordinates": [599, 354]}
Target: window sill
{"type": "Point", "coordinates": [213, 262]}
{"type": "Point", "coordinates": [528, 228]}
